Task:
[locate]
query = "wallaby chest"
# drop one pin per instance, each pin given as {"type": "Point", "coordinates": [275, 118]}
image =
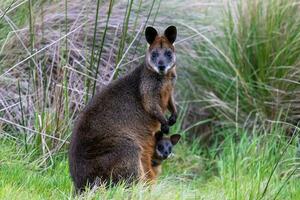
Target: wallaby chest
{"type": "Point", "coordinates": [167, 90]}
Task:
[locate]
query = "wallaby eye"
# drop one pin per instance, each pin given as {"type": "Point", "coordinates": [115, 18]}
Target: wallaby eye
{"type": "Point", "coordinates": [168, 54]}
{"type": "Point", "coordinates": [154, 55]}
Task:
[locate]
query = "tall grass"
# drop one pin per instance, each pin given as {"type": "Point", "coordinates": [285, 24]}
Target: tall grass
{"type": "Point", "coordinates": [102, 45]}
{"type": "Point", "coordinates": [256, 45]}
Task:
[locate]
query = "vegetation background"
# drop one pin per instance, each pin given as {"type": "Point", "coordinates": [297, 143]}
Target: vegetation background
{"type": "Point", "coordinates": [238, 93]}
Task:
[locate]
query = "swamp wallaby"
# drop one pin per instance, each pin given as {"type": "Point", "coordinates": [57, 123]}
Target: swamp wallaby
{"type": "Point", "coordinates": [113, 137]}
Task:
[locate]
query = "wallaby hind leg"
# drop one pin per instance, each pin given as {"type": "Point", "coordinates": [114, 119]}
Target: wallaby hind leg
{"type": "Point", "coordinates": [119, 164]}
{"type": "Point", "coordinates": [126, 168]}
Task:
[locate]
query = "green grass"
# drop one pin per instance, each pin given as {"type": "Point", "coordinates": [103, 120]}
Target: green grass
{"type": "Point", "coordinates": [252, 55]}
{"type": "Point", "coordinates": [19, 16]}
{"type": "Point", "coordinates": [195, 172]}
{"type": "Point", "coordinates": [22, 179]}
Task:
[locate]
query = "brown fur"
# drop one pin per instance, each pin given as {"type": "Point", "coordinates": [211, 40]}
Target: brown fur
{"type": "Point", "coordinates": [161, 41]}
{"type": "Point", "coordinates": [113, 136]}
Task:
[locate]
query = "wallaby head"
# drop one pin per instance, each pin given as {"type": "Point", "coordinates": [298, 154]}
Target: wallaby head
{"type": "Point", "coordinates": [160, 55]}
{"type": "Point", "coordinates": [164, 145]}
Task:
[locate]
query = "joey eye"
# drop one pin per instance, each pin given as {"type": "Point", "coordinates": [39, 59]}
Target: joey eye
{"type": "Point", "coordinates": [160, 147]}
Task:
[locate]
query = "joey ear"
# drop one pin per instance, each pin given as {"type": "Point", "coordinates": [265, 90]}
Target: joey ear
{"type": "Point", "coordinates": [171, 34]}
{"type": "Point", "coordinates": [150, 34]}
{"type": "Point", "coordinates": [175, 138]}
{"type": "Point", "coordinates": [159, 135]}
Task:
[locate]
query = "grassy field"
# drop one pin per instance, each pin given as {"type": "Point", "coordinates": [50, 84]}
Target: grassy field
{"type": "Point", "coordinates": [265, 168]}
{"type": "Point", "coordinates": [238, 93]}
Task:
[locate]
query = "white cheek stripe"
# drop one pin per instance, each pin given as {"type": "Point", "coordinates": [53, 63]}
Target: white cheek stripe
{"type": "Point", "coordinates": [150, 63]}
{"type": "Point", "coordinates": [172, 63]}
{"type": "Point", "coordinates": [171, 155]}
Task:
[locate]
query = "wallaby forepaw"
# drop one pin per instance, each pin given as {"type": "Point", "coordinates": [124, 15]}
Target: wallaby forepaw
{"type": "Point", "coordinates": [165, 128]}
{"type": "Point", "coordinates": [172, 120]}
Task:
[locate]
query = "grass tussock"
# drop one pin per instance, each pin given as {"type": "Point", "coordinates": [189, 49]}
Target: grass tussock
{"type": "Point", "coordinates": [250, 64]}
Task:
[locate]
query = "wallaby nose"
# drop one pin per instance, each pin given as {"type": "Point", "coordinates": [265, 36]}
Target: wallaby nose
{"type": "Point", "coordinates": [161, 65]}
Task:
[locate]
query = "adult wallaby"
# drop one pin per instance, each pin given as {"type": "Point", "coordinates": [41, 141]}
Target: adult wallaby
{"type": "Point", "coordinates": [113, 137]}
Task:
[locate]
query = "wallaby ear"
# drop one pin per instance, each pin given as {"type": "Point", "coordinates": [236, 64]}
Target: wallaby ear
{"type": "Point", "coordinates": [175, 138]}
{"type": "Point", "coordinates": [171, 34]}
{"type": "Point", "coordinates": [150, 34]}
{"type": "Point", "coordinates": [159, 135]}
